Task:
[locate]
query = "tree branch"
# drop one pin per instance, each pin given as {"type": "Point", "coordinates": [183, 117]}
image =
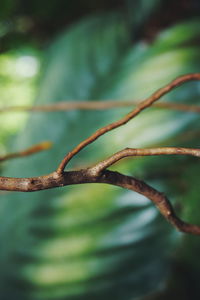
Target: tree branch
{"type": "Point", "coordinates": [99, 172]}
{"type": "Point", "coordinates": [29, 151]}
{"type": "Point", "coordinates": [143, 152]}
{"type": "Point", "coordinates": [107, 177]}
{"type": "Point", "coordinates": [96, 105]}
{"type": "Point", "coordinates": [141, 106]}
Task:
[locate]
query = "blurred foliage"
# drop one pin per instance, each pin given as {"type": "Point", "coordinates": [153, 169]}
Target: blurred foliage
{"type": "Point", "coordinates": [18, 70]}
{"type": "Point", "coordinates": [93, 241]}
{"type": "Point", "coordinates": [36, 22]}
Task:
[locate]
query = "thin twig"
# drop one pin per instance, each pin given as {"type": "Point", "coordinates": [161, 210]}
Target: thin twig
{"type": "Point", "coordinates": [32, 150]}
{"type": "Point", "coordinates": [143, 152]}
{"type": "Point", "coordinates": [179, 106]}
{"type": "Point", "coordinates": [141, 106]}
{"type": "Point", "coordinates": [96, 105]}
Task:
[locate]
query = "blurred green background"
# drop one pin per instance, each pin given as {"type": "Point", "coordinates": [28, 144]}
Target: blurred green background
{"type": "Point", "coordinates": [94, 241]}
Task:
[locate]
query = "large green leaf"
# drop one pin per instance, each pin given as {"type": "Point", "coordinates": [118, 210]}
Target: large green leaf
{"type": "Point", "coordinates": [95, 241]}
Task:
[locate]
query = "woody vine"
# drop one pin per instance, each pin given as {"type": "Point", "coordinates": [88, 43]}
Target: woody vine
{"type": "Point", "coordinates": [99, 173]}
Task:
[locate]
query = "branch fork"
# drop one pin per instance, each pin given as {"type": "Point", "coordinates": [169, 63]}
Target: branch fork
{"type": "Point", "coordinates": [99, 172]}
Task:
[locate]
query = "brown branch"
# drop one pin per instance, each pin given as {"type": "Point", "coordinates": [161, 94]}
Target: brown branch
{"type": "Point", "coordinates": [141, 106]}
{"type": "Point", "coordinates": [99, 174]}
{"type": "Point", "coordinates": [95, 105]}
{"type": "Point", "coordinates": [32, 150]}
{"type": "Point", "coordinates": [107, 177]}
{"type": "Point", "coordinates": [179, 106]}
{"type": "Point", "coordinates": [143, 152]}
